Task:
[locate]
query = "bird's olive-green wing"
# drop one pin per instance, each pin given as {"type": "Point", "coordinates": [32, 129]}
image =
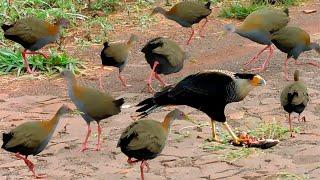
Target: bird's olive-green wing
{"type": "Point", "coordinates": [301, 90]}
{"type": "Point", "coordinates": [171, 51]}
{"type": "Point", "coordinates": [29, 134]}
{"type": "Point", "coordinates": [190, 11]}
{"type": "Point", "coordinates": [29, 29]}
{"type": "Point", "coordinates": [147, 134]}
{"type": "Point", "coordinates": [291, 37]}
{"type": "Point", "coordinates": [119, 51]}
{"type": "Point", "coordinates": [96, 103]}
{"type": "Point", "coordinates": [269, 19]}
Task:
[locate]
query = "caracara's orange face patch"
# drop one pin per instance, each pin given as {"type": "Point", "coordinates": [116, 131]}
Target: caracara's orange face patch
{"type": "Point", "coordinates": [257, 81]}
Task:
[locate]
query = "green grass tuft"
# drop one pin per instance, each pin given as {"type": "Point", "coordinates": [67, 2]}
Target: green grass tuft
{"type": "Point", "coordinates": [12, 62]}
{"type": "Point", "coordinates": [239, 153]}
{"type": "Point", "coordinates": [272, 130]}
{"type": "Point", "coordinates": [239, 11]}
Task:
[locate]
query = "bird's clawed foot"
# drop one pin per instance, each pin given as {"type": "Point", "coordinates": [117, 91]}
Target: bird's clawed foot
{"type": "Point", "coordinates": [39, 176]}
{"type": "Point", "coordinates": [150, 88]}
{"type": "Point", "coordinates": [98, 147]}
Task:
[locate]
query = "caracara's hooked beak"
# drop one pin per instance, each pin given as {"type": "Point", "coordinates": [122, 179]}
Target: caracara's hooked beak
{"type": "Point", "coordinates": [257, 80]}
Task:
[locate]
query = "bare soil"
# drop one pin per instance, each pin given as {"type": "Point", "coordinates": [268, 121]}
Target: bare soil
{"type": "Point", "coordinates": [37, 98]}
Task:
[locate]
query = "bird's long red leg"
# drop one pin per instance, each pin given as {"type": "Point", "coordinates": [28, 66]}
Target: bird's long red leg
{"type": "Point", "coordinates": [143, 163]}
{"type": "Point", "coordinates": [84, 145]}
{"type": "Point", "coordinates": [286, 69]}
{"type": "Point", "coordinates": [202, 27]}
{"type": "Point", "coordinates": [149, 81]}
{"type": "Point", "coordinates": [99, 137]}
{"type": "Point", "coordinates": [158, 77]}
{"type": "Point", "coordinates": [123, 81]}
{"type": "Point", "coordinates": [30, 165]}
{"type": "Point", "coordinates": [25, 62]}
{"type": "Point", "coordinates": [34, 52]}
{"type": "Point", "coordinates": [130, 161]}
{"type": "Point", "coordinates": [255, 58]}
{"type": "Point", "coordinates": [266, 62]}
{"type": "Point", "coordinates": [296, 62]}
{"type": "Point", "coordinates": [188, 42]}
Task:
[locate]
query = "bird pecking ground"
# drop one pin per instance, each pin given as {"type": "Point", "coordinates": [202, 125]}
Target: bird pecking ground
{"type": "Point", "coordinates": [187, 154]}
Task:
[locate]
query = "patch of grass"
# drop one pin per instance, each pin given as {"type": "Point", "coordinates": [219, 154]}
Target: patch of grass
{"type": "Point", "coordinates": [238, 10]}
{"type": "Point", "coordinates": [12, 62]}
{"type": "Point", "coordinates": [288, 175]}
{"type": "Point", "coordinates": [213, 146]}
{"type": "Point", "coordinates": [241, 9]}
{"type": "Point", "coordinates": [239, 153]}
{"type": "Point", "coordinates": [272, 130]}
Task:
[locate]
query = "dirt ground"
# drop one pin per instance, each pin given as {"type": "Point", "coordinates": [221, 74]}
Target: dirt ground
{"type": "Point", "coordinates": [28, 98]}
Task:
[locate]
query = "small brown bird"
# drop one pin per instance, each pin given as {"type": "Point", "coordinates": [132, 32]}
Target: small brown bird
{"type": "Point", "coordinates": [145, 139]}
{"type": "Point", "coordinates": [33, 33]}
{"type": "Point", "coordinates": [31, 138]}
{"type": "Point", "coordinates": [186, 14]}
{"type": "Point", "coordinates": [258, 27]}
{"type": "Point", "coordinates": [293, 41]}
{"type": "Point", "coordinates": [294, 98]}
{"type": "Point", "coordinates": [93, 105]}
{"type": "Point", "coordinates": [164, 57]}
{"type": "Point", "coordinates": [208, 91]}
{"type": "Point", "coordinates": [116, 55]}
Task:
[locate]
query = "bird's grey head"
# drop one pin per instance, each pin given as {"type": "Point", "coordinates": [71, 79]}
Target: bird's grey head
{"type": "Point", "coordinates": [158, 10]}
{"type": "Point", "coordinates": [316, 47]}
{"type": "Point", "coordinates": [178, 114]}
{"type": "Point", "coordinates": [64, 109]}
{"type": "Point", "coordinates": [62, 23]}
{"type": "Point", "coordinates": [67, 74]}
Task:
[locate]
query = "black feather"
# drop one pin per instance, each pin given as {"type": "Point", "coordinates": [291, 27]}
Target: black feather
{"type": "Point", "coordinates": [6, 138]}
{"type": "Point", "coordinates": [207, 5]}
{"type": "Point", "coordinates": [6, 27]}
{"type": "Point", "coordinates": [106, 44]}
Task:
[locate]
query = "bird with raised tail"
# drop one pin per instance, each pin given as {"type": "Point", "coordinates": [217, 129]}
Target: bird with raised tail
{"type": "Point", "coordinates": [258, 27]}
{"type": "Point", "coordinates": [31, 138]}
{"type": "Point", "coordinates": [208, 91]}
{"type": "Point", "coordinates": [187, 13]}
{"type": "Point", "coordinates": [116, 55]}
{"type": "Point", "coordinates": [92, 104]}
{"type": "Point", "coordinates": [145, 139]}
{"type": "Point", "coordinates": [293, 41]}
{"type": "Point", "coordinates": [33, 33]}
{"type": "Point", "coordinates": [164, 57]}
{"type": "Point", "coordinates": [294, 98]}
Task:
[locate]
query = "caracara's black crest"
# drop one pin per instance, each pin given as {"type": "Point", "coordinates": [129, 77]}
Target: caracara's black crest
{"type": "Point", "coordinates": [244, 75]}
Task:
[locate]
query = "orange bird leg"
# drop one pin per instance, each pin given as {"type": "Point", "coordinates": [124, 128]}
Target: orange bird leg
{"type": "Point", "coordinates": [188, 42]}
{"type": "Point", "coordinates": [158, 77]}
{"type": "Point", "coordinates": [143, 163]}
{"type": "Point", "coordinates": [123, 81]}
{"type": "Point", "coordinates": [99, 137]}
{"type": "Point", "coordinates": [100, 79]}
{"type": "Point", "coordinates": [290, 126]}
{"type": "Point", "coordinates": [84, 145]}
{"type": "Point", "coordinates": [286, 69]}
{"type": "Point", "coordinates": [30, 165]}
{"type": "Point", "coordinates": [202, 28]}
{"type": "Point", "coordinates": [255, 58]}
{"type": "Point", "coordinates": [266, 62]}
{"type": "Point", "coordinates": [149, 81]}
{"type": "Point", "coordinates": [25, 62]}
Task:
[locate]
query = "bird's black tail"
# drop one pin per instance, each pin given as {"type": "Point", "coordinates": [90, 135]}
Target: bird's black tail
{"type": "Point", "coordinates": [207, 5]}
{"type": "Point", "coordinates": [286, 10]}
{"type": "Point", "coordinates": [6, 138]}
{"type": "Point", "coordinates": [159, 99]}
{"type": "Point", "coordinates": [119, 102]}
{"type": "Point", "coordinates": [6, 27]}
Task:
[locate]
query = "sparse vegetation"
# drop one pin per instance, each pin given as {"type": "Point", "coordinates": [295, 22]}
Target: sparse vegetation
{"type": "Point", "coordinates": [12, 62]}
{"type": "Point", "coordinates": [272, 130]}
{"type": "Point", "coordinates": [239, 153]}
